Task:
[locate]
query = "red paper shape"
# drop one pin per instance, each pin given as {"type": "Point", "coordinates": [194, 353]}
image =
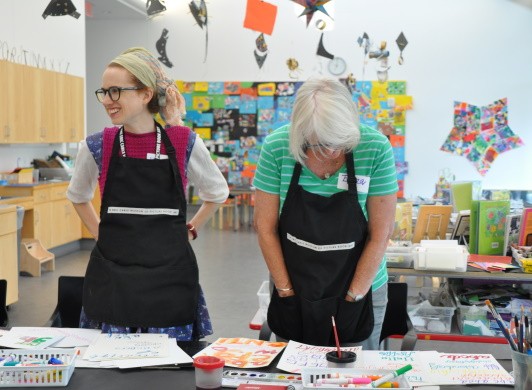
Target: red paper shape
{"type": "Point", "coordinates": [260, 16]}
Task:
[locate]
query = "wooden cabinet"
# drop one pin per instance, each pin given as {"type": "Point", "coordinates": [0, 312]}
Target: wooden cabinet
{"type": "Point", "coordinates": [52, 219]}
{"type": "Point", "coordinates": [42, 106]}
{"type": "Point", "coordinates": [8, 251]}
{"type": "Point", "coordinates": [21, 91]}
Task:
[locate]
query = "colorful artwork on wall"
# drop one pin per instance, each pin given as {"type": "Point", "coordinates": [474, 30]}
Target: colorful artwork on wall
{"type": "Point", "coordinates": [481, 133]}
{"type": "Point", "coordinates": [233, 118]}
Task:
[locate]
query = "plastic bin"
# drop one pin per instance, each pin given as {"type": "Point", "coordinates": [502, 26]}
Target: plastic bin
{"type": "Point", "coordinates": [37, 376]}
{"type": "Point", "coordinates": [431, 319]}
{"type": "Point", "coordinates": [309, 376]}
{"type": "Point", "coordinates": [20, 219]}
{"type": "Point", "coordinates": [399, 259]}
{"type": "Point", "coordinates": [264, 297]}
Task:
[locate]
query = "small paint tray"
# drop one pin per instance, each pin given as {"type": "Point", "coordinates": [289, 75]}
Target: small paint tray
{"type": "Point", "coordinates": [311, 375]}
{"type": "Point", "coordinates": [233, 378]}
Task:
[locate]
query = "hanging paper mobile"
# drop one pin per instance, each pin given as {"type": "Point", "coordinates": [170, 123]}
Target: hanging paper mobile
{"type": "Point", "coordinates": [312, 6]}
{"type": "Point", "coordinates": [60, 8]}
{"type": "Point", "coordinates": [321, 50]}
{"type": "Point", "coordinates": [261, 52]}
{"type": "Point", "coordinates": [161, 48]}
{"type": "Point", "coordinates": [154, 7]}
{"type": "Point", "coordinates": [401, 44]}
{"type": "Point", "coordinates": [199, 11]}
{"type": "Point", "coordinates": [293, 67]}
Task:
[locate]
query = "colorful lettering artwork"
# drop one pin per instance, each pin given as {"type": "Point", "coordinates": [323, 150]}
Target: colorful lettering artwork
{"type": "Point", "coordinates": [242, 352]}
{"type": "Point", "coordinates": [298, 356]}
{"type": "Point", "coordinates": [233, 118]}
{"type": "Point", "coordinates": [435, 368]}
{"type": "Point", "coordinates": [481, 133]}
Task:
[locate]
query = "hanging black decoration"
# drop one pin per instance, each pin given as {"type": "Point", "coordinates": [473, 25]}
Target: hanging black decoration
{"type": "Point", "coordinates": [321, 50]}
{"type": "Point", "coordinates": [261, 52]}
{"type": "Point", "coordinates": [260, 58]}
{"type": "Point", "coordinates": [60, 8]}
{"type": "Point", "coordinates": [161, 48]}
{"type": "Point", "coordinates": [199, 11]}
{"type": "Point", "coordinates": [154, 7]}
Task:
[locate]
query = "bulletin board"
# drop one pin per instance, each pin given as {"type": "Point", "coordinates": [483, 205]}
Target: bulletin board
{"type": "Point", "coordinates": [233, 118]}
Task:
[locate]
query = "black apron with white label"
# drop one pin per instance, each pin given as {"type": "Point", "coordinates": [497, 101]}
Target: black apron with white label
{"type": "Point", "coordinates": [142, 271]}
{"type": "Point", "coordinates": [321, 239]}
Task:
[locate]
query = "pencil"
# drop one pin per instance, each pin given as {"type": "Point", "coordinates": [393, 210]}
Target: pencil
{"type": "Point", "coordinates": [500, 322]}
{"type": "Point", "coordinates": [338, 350]}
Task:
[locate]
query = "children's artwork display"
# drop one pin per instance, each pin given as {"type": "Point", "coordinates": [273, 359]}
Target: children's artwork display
{"type": "Point", "coordinates": [233, 118]}
{"type": "Point", "coordinates": [481, 133]}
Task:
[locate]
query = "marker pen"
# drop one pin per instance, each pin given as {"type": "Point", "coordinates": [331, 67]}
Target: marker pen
{"type": "Point", "coordinates": [390, 376]}
{"type": "Point", "coordinates": [389, 385]}
{"type": "Point", "coordinates": [344, 381]}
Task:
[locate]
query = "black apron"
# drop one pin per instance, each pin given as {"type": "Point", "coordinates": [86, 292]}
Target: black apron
{"type": "Point", "coordinates": [321, 239]}
{"type": "Point", "coordinates": [142, 271]}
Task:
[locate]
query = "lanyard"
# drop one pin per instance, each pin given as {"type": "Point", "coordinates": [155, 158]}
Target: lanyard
{"type": "Point", "coordinates": [157, 144]}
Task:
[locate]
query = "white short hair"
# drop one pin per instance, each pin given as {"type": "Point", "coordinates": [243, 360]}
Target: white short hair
{"type": "Point", "coordinates": [324, 113]}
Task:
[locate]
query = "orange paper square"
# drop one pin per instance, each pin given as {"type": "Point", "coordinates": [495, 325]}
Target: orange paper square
{"type": "Point", "coordinates": [260, 16]}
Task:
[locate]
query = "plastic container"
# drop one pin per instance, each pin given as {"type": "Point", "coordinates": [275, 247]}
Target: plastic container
{"type": "Point", "coordinates": [440, 255]}
{"type": "Point", "coordinates": [431, 319]}
{"type": "Point", "coordinates": [20, 219]}
{"type": "Point", "coordinates": [347, 359]}
{"type": "Point", "coordinates": [264, 297]}
{"type": "Point", "coordinates": [309, 376]}
{"type": "Point", "coordinates": [522, 370]}
{"type": "Point", "coordinates": [209, 372]}
{"type": "Point", "coordinates": [399, 259]}
{"type": "Point", "coordinates": [37, 376]}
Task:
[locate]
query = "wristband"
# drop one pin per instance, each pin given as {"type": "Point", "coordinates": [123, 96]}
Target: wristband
{"type": "Point", "coordinates": [192, 230]}
{"type": "Point", "coordinates": [284, 289]}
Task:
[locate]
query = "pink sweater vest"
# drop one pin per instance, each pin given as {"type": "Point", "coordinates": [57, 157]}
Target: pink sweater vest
{"type": "Point", "coordinates": [139, 145]}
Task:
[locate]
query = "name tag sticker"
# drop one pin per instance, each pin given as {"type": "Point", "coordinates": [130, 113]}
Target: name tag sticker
{"type": "Point", "coordinates": [362, 183]}
{"type": "Point", "coordinates": [151, 156]}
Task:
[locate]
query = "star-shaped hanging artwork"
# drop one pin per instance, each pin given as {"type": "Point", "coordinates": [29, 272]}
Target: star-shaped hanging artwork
{"type": "Point", "coordinates": [481, 133]}
{"type": "Point", "coordinates": [312, 6]}
{"type": "Point", "coordinates": [60, 8]}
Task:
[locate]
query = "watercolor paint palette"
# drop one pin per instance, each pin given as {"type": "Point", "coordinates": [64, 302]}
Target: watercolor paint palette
{"type": "Point", "coordinates": [233, 378]}
{"type": "Point", "coordinates": [311, 377]}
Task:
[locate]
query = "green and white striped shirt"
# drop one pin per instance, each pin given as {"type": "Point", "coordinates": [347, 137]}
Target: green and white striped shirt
{"type": "Point", "coordinates": [374, 168]}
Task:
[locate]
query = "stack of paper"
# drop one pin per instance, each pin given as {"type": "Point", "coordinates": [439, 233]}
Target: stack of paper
{"type": "Point", "coordinates": [133, 350]}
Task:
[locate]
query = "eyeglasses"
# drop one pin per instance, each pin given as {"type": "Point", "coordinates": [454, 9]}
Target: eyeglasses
{"type": "Point", "coordinates": [114, 92]}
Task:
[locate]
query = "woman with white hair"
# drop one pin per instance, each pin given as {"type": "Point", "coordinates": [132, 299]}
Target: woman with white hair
{"type": "Point", "coordinates": [142, 274]}
{"type": "Point", "coordinates": [324, 211]}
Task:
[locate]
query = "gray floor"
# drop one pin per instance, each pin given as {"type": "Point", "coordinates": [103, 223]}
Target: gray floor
{"type": "Point", "coordinates": [231, 272]}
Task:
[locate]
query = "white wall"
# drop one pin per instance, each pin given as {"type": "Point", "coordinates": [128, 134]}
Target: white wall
{"type": "Point", "coordinates": [54, 43]}
{"type": "Point", "coordinates": [476, 51]}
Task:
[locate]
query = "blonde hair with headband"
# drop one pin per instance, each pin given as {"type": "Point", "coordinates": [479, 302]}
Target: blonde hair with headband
{"type": "Point", "coordinates": [148, 70]}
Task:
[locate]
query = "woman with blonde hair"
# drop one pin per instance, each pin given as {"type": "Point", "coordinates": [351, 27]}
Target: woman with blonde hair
{"type": "Point", "coordinates": [142, 274]}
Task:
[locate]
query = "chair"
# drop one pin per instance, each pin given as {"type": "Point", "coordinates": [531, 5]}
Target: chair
{"type": "Point", "coordinates": [396, 319]}
{"type": "Point", "coordinates": [4, 320]}
{"type": "Point", "coordinates": [69, 302]}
